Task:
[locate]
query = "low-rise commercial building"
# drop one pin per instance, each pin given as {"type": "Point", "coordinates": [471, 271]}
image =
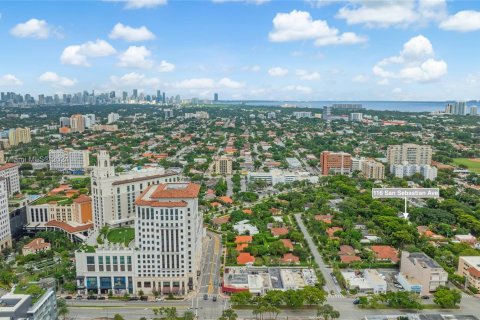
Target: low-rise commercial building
{"type": "Point", "coordinates": [407, 170]}
{"type": "Point", "coordinates": [276, 176]}
{"type": "Point", "coordinates": [420, 273]}
{"type": "Point", "coordinates": [23, 306]}
{"type": "Point", "coordinates": [367, 281]}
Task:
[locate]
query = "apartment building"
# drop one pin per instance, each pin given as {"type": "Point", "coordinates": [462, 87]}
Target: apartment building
{"type": "Point", "coordinates": [335, 162]}
{"type": "Point", "coordinates": [5, 233]}
{"type": "Point", "coordinates": [410, 153]}
{"type": "Point", "coordinates": [113, 195]}
{"type": "Point", "coordinates": [407, 170]}
{"type": "Point", "coordinates": [77, 123]}
{"type": "Point", "coordinates": [469, 267]}
{"type": "Point", "coordinates": [9, 171]}
{"type": "Point", "coordinates": [420, 273]}
{"type": "Point", "coordinates": [223, 165]}
{"type": "Point", "coordinates": [19, 135]}
{"type": "Point", "coordinates": [69, 160]}
{"type": "Point", "coordinates": [276, 176]}
{"type": "Point", "coordinates": [113, 117]}
{"type": "Point", "coordinates": [369, 168]}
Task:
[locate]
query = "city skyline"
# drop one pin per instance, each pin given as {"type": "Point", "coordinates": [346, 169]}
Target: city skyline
{"type": "Point", "coordinates": [269, 50]}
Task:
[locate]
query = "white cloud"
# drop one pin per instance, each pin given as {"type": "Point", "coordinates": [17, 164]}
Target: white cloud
{"type": "Point", "coordinates": [305, 75]}
{"type": "Point", "coordinates": [33, 28]}
{"type": "Point", "coordinates": [397, 91]}
{"type": "Point", "coordinates": [301, 89]}
{"type": "Point", "coordinates": [166, 66]}
{"type": "Point", "coordinates": [10, 80]}
{"type": "Point", "coordinates": [361, 78]}
{"type": "Point", "coordinates": [299, 25]}
{"type": "Point", "coordinates": [135, 57]}
{"type": "Point", "coordinates": [277, 72]}
{"type": "Point", "coordinates": [139, 4]}
{"type": "Point", "coordinates": [196, 83]}
{"type": "Point", "coordinates": [56, 80]}
{"type": "Point", "coordinates": [462, 21]}
{"type": "Point", "coordinates": [384, 82]}
{"type": "Point", "coordinates": [230, 84]}
{"type": "Point", "coordinates": [134, 79]}
{"type": "Point", "coordinates": [416, 62]}
{"type": "Point", "coordinates": [387, 13]}
{"type": "Point", "coordinates": [78, 54]}
{"type": "Point", "coordinates": [207, 83]}
{"type": "Point", "coordinates": [130, 34]}
{"type": "Point", "coordinates": [254, 68]}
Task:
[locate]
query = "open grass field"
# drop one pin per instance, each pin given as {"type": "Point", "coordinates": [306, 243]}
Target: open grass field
{"type": "Point", "coordinates": [471, 164]}
{"type": "Point", "coordinates": [121, 235]}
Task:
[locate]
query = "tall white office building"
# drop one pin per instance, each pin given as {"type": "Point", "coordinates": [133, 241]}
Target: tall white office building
{"type": "Point", "coordinates": [473, 110]}
{"type": "Point", "coordinates": [113, 195]}
{"type": "Point", "coordinates": [89, 120]}
{"type": "Point", "coordinates": [168, 232]}
{"type": "Point", "coordinates": [5, 235]}
{"type": "Point", "coordinates": [69, 160]}
{"type": "Point", "coordinates": [356, 116]}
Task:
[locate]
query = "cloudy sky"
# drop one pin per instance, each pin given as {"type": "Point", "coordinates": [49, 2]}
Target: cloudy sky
{"type": "Point", "coordinates": [250, 49]}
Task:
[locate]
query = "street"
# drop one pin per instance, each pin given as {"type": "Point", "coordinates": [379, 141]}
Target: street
{"type": "Point", "coordinates": [329, 283]}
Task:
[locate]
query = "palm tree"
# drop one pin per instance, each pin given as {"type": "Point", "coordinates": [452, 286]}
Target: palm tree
{"type": "Point", "coordinates": [62, 309]}
{"type": "Point", "coordinates": [171, 313]}
{"type": "Point", "coordinates": [274, 311]}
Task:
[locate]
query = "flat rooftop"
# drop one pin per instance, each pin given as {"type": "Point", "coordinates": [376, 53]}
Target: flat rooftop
{"type": "Point", "coordinates": [422, 259]}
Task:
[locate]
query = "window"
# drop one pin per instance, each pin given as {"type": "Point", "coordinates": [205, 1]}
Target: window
{"type": "Point", "coordinates": [90, 260]}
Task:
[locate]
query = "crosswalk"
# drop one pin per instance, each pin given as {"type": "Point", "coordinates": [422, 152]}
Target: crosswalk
{"type": "Point", "coordinates": [336, 296]}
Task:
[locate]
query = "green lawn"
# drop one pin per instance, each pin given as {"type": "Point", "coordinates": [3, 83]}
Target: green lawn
{"type": "Point", "coordinates": [121, 235]}
{"type": "Point", "coordinates": [469, 163]}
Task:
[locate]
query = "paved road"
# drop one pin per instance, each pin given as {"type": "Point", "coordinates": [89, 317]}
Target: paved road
{"type": "Point", "coordinates": [329, 284]}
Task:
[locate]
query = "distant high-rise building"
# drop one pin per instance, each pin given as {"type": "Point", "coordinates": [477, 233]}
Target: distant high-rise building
{"type": "Point", "coordinates": [124, 96]}
{"type": "Point", "coordinates": [163, 98]}
{"type": "Point", "coordinates": [215, 97]}
{"type": "Point", "coordinates": [449, 108]}
{"type": "Point", "coordinates": [77, 123]}
{"type": "Point", "coordinates": [327, 112]}
{"type": "Point", "coordinates": [64, 121]}
{"type": "Point", "coordinates": [356, 116]}
{"type": "Point", "coordinates": [135, 93]}
{"type": "Point", "coordinates": [19, 135]}
{"type": "Point", "coordinates": [336, 162]}
{"type": "Point", "coordinates": [223, 165]}
{"type": "Point", "coordinates": [457, 108]}
{"type": "Point", "coordinates": [410, 153]}
{"type": "Point", "coordinates": [69, 160]}
{"type": "Point", "coordinates": [89, 120]}
{"type": "Point", "coordinates": [473, 110]}
{"type": "Point", "coordinates": [113, 117]}
{"type": "Point", "coordinates": [112, 94]}
{"type": "Point", "coordinates": [168, 113]}
{"type": "Point", "coordinates": [9, 173]}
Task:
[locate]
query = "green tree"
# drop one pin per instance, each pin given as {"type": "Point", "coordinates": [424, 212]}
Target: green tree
{"type": "Point", "coordinates": [241, 298]}
{"type": "Point", "coordinates": [293, 298]}
{"type": "Point", "coordinates": [228, 314]}
{"type": "Point", "coordinates": [188, 315]}
{"type": "Point", "coordinates": [314, 295]}
{"type": "Point", "coordinates": [118, 317]}
{"type": "Point", "coordinates": [446, 297]}
{"type": "Point", "coordinates": [327, 312]}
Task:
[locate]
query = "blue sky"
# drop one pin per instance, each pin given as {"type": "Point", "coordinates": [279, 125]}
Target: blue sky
{"type": "Point", "coordinates": [253, 49]}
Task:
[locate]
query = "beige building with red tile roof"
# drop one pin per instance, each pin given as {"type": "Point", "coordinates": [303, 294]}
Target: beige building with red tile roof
{"type": "Point", "coordinates": [35, 246]}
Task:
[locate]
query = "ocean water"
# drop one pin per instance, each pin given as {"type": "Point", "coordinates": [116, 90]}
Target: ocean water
{"type": "Point", "coordinates": [406, 106]}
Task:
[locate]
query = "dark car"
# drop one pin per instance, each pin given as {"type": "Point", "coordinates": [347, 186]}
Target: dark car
{"type": "Point", "coordinates": [205, 297]}
{"type": "Point", "coordinates": [356, 301]}
{"type": "Point", "coordinates": [214, 298]}
{"type": "Point", "coordinates": [101, 298]}
{"type": "Point", "coordinates": [134, 298]}
{"type": "Point", "coordinates": [68, 297]}
{"type": "Point", "coordinates": [425, 297]}
{"type": "Point", "coordinates": [92, 298]}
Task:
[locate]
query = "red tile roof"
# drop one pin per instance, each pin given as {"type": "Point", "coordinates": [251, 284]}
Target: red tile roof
{"type": "Point", "coordinates": [326, 218]}
{"type": "Point", "coordinates": [241, 246]}
{"type": "Point", "coordinates": [279, 231]}
{"type": "Point", "coordinates": [332, 230]}
{"type": "Point", "coordinates": [226, 199]}
{"type": "Point", "coordinates": [349, 259]}
{"type": "Point", "coordinates": [221, 220]}
{"type": "Point", "coordinates": [244, 258]}
{"type": "Point", "coordinates": [289, 258]}
{"type": "Point", "coordinates": [346, 250]}
{"type": "Point", "coordinates": [82, 199]}
{"type": "Point", "coordinates": [68, 228]}
{"type": "Point", "coordinates": [385, 253]}
{"type": "Point", "coordinates": [243, 239]}
{"type": "Point", "coordinates": [287, 243]}
{"type": "Point", "coordinates": [8, 166]}
{"type": "Point", "coordinates": [247, 211]}
{"type": "Point", "coordinates": [37, 244]}
{"type": "Point", "coordinates": [190, 190]}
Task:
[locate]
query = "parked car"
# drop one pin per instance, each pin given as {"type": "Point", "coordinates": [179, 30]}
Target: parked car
{"type": "Point", "coordinates": [356, 301]}
{"type": "Point", "coordinates": [205, 297]}
{"type": "Point", "coordinates": [425, 297]}
{"type": "Point", "coordinates": [134, 298]}
{"type": "Point", "coordinates": [68, 297]}
{"type": "Point", "coordinates": [214, 298]}
{"type": "Point", "coordinates": [101, 298]}
{"type": "Point", "coordinates": [92, 298]}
